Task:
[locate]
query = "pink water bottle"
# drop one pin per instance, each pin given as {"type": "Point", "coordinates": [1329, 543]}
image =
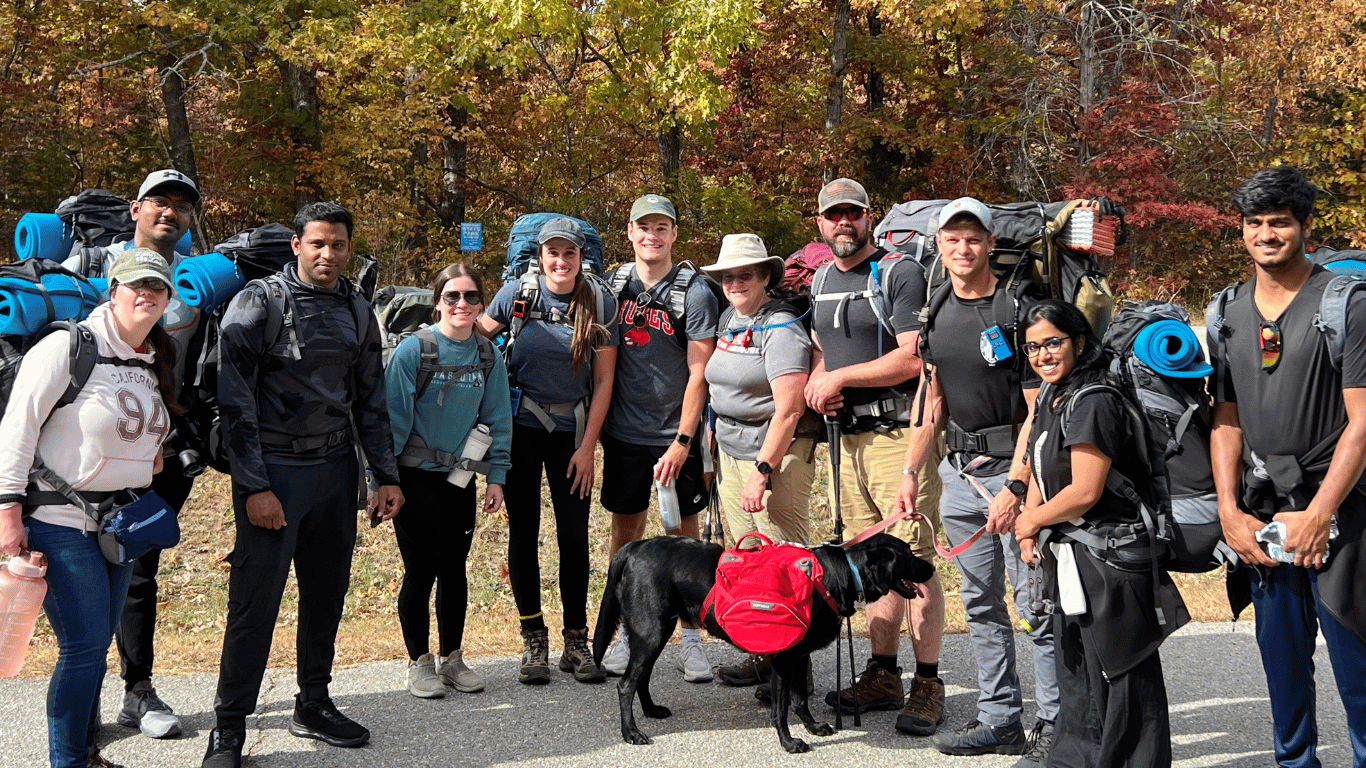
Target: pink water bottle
{"type": "Point", "coordinates": [21, 598]}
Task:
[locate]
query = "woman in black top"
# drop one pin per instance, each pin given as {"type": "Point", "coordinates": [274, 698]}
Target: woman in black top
{"type": "Point", "coordinates": [1114, 710]}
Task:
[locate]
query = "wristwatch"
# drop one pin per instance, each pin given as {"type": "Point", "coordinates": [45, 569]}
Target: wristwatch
{"type": "Point", "coordinates": [683, 439]}
{"type": "Point", "coordinates": [1017, 487]}
{"type": "Point", "coordinates": [764, 467]}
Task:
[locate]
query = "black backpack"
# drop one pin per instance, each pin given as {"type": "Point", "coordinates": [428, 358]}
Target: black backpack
{"type": "Point", "coordinates": [97, 219]}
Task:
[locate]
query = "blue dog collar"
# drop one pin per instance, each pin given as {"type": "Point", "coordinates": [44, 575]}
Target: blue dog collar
{"type": "Point", "coordinates": [858, 582]}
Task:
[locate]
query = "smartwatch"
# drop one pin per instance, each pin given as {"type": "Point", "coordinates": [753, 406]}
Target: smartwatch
{"type": "Point", "coordinates": [683, 439]}
{"type": "Point", "coordinates": [764, 467]}
{"type": "Point", "coordinates": [1017, 487]}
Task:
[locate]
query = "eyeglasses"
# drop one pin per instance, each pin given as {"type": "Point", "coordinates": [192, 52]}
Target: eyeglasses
{"type": "Point", "coordinates": [1052, 344]}
{"type": "Point", "coordinates": [181, 207]}
{"type": "Point", "coordinates": [147, 284]}
{"type": "Point", "coordinates": [731, 277]}
{"type": "Point", "coordinates": [851, 213]}
{"type": "Point", "coordinates": [471, 297]}
{"type": "Point", "coordinates": [1270, 340]}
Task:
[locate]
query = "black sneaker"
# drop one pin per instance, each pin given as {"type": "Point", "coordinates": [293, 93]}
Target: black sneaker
{"type": "Point", "coordinates": [225, 749]}
{"type": "Point", "coordinates": [143, 709]}
{"type": "Point", "coordinates": [977, 739]}
{"type": "Point", "coordinates": [320, 720]}
{"type": "Point", "coordinates": [1040, 741]}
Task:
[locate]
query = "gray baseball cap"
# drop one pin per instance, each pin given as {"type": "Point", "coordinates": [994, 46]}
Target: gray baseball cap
{"type": "Point", "coordinates": [842, 192]}
{"type": "Point", "coordinates": [970, 206]}
{"type": "Point", "coordinates": [562, 227]}
{"type": "Point", "coordinates": [648, 204]}
{"type": "Point", "coordinates": [171, 179]}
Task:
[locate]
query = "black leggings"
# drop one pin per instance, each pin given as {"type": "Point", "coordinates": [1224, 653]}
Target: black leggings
{"type": "Point", "coordinates": [532, 448]}
{"type": "Point", "coordinates": [434, 530]}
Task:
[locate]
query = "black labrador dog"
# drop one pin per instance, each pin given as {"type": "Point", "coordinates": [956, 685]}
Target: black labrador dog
{"type": "Point", "coordinates": [653, 583]}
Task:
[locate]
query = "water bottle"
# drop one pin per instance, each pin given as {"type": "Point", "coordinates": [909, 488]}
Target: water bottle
{"type": "Point", "coordinates": [476, 445]}
{"type": "Point", "coordinates": [669, 512]}
{"type": "Point", "coordinates": [21, 598]}
{"type": "Point", "coordinates": [1273, 537]}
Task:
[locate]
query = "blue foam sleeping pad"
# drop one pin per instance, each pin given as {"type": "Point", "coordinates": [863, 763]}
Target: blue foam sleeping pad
{"type": "Point", "coordinates": [24, 310]}
{"type": "Point", "coordinates": [207, 280]}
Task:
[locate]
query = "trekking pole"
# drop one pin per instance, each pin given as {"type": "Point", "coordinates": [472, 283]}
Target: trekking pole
{"type": "Point", "coordinates": [832, 433]}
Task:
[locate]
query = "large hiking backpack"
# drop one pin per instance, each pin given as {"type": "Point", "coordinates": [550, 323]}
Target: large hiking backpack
{"type": "Point", "coordinates": [874, 292]}
{"type": "Point", "coordinates": [675, 300]}
{"type": "Point", "coordinates": [1052, 245]}
{"type": "Point", "coordinates": [1348, 262]}
{"type": "Point", "coordinates": [1178, 415]}
{"type": "Point", "coordinates": [763, 594]}
{"type": "Point", "coordinates": [402, 310]}
{"type": "Point", "coordinates": [97, 219]}
{"type": "Point", "coordinates": [522, 244]}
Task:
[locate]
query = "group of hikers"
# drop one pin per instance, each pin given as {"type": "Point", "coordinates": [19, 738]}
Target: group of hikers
{"type": "Point", "coordinates": [945, 421]}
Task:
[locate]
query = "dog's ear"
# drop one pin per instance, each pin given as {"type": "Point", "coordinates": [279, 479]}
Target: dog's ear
{"type": "Point", "coordinates": [879, 571]}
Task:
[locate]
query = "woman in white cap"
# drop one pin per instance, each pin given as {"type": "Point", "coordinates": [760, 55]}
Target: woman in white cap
{"type": "Point", "coordinates": [561, 363]}
{"type": "Point", "coordinates": [756, 378]}
{"type": "Point", "coordinates": [107, 439]}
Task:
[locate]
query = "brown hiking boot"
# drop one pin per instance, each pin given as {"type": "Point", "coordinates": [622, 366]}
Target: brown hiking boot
{"type": "Point", "coordinates": [752, 671]}
{"type": "Point", "coordinates": [924, 710]}
{"type": "Point", "coordinates": [535, 657]}
{"type": "Point", "coordinates": [877, 689]}
{"type": "Point", "coordinates": [577, 658]}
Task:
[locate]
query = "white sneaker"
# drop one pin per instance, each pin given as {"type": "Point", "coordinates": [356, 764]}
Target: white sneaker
{"type": "Point", "coordinates": [693, 663]}
{"type": "Point", "coordinates": [618, 654]}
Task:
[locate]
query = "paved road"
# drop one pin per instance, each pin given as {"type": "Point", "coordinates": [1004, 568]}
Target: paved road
{"type": "Point", "coordinates": [1220, 717]}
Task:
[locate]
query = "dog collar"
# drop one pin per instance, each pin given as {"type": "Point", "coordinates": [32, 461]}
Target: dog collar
{"type": "Point", "coordinates": [858, 582]}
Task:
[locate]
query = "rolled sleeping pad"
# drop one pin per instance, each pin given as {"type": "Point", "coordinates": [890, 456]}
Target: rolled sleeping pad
{"type": "Point", "coordinates": [42, 235]}
{"type": "Point", "coordinates": [1347, 267]}
{"type": "Point", "coordinates": [182, 246]}
{"type": "Point", "coordinates": [1171, 349]}
{"type": "Point", "coordinates": [25, 309]}
{"type": "Point", "coordinates": [101, 284]}
{"type": "Point", "coordinates": [207, 280]}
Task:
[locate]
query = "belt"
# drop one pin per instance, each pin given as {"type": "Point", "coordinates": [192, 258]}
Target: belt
{"type": "Point", "coordinates": [997, 442]}
{"type": "Point", "coordinates": [307, 443]}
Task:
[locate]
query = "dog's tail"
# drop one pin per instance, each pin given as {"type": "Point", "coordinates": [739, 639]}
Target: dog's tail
{"type": "Point", "coordinates": [609, 613]}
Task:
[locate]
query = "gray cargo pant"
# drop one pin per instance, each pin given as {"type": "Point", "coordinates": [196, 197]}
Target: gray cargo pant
{"type": "Point", "coordinates": [984, 567]}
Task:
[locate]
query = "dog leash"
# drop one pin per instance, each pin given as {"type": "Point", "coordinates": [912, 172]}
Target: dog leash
{"type": "Point", "coordinates": [910, 514]}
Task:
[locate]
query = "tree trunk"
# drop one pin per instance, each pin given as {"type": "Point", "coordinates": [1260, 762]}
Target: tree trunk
{"type": "Point", "coordinates": [454, 166]}
{"type": "Point", "coordinates": [839, 61]}
{"type": "Point", "coordinates": [1088, 66]}
{"type": "Point", "coordinates": [881, 163]}
{"type": "Point", "coordinates": [306, 127]}
{"type": "Point", "coordinates": [670, 156]}
{"type": "Point", "coordinates": [180, 140]}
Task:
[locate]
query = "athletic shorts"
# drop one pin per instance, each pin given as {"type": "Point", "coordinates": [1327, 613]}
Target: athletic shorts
{"type": "Point", "coordinates": [628, 477]}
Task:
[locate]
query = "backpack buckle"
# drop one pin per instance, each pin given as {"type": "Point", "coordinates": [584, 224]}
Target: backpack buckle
{"type": "Point", "coordinates": [519, 308]}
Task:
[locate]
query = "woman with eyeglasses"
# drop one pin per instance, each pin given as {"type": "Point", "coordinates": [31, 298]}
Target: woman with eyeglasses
{"type": "Point", "coordinates": [447, 386]}
{"type": "Point", "coordinates": [1106, 629]}
{"type": "Point", "coordinates": [107, 439]}
{"type": "Point", "coordinates": [561, 361]}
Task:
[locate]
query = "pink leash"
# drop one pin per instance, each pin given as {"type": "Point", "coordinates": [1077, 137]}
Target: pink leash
{"type": "Point", "coordinates": [911, 514]}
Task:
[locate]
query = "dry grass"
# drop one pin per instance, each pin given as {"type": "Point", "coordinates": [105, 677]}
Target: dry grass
{"type": "Point", "coordinates": [194, 579]}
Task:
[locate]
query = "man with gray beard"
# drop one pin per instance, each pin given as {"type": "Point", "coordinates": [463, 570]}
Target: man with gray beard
{"type": "Point", "coordinates": [865, 369]}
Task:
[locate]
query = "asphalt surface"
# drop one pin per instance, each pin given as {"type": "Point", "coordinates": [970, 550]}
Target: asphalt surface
{"type": "Point", "coordinates": [1220, 717]}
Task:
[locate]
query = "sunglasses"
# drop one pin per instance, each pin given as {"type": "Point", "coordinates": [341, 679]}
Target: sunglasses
{"type": "Point", "coordinates": [471, 297]}
{"type": "Point", "coordinates": [1270, 340]}
{"type": "Point", "coordinates": [731, 277]}
{"type": "Point", "coordinates": [853, 213]}
{"type": "Point", "coordinates": [1052, 344]}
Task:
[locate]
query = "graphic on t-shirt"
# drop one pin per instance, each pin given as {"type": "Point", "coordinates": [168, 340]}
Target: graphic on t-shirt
{"type": "Point", "coordinates": [641, 319]}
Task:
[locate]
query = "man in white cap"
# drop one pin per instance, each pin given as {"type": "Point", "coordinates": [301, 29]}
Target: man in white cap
{"type": "Point", "coordinates": [667, 324]}
{"type": "Point", "coordinates": [978, 390]}
{"type": "Point", "coordinates": [162, 213]}
{"type": "Point", "coordinates": [864, 372]}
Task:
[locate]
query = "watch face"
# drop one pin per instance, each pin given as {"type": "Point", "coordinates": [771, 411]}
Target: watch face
{"type": "Point", "coordinates": [764, 467]}
{"type": "Point", "coordinates": [1017, 487]}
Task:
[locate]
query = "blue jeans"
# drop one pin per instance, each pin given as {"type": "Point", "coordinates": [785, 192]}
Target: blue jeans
{"type": "Point", "coordinates": [1289, 617]}
{"type": "Point", "coordinates": [85, 594]}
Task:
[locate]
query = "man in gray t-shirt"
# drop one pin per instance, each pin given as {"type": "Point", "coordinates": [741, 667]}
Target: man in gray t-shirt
{"type": "Point", "coordinates": [654, 426]}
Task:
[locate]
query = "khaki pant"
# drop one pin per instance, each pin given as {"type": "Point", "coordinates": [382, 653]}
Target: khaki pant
{"type": "Point", "coordinates": [870, 476]}
{"type": "Point", "coordinates": [787, 506]}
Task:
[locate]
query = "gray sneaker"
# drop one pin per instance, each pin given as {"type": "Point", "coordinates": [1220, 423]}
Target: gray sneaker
{"type": "Point", "coordinates": [692, 661]}
{"type": "Point", "coordinates": [618, 654]}
{"type": "Point", "coordinates": [458, 676]}
{"type": "Point", "coordinates": [423, 681]}
{"type": "Point", "coordinates": [144, 710]}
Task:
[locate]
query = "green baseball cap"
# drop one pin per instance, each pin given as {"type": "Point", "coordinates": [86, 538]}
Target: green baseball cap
{"type": "Point", "coordinates": [137, 264]}
{"type": "Point", "coordinates": [648, 204]}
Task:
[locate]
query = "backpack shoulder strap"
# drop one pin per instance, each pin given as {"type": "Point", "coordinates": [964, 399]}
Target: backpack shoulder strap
{"type": "Point", "coordinates": [684, 274]}
{"type": "Point", "coordinates": [620, 276]}
{"type": "Point", "coordinates": [1214, 320]}
{"type": "Point", "coordinates": [427, 359]}
{"type": "Point", "coordinates": [1331, 319]}
{"type": "Point", "coordinates": [281, 319]}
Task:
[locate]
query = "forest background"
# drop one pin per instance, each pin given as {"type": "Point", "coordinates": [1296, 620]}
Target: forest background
{"type": "Point", "coordinates": [421, 114]}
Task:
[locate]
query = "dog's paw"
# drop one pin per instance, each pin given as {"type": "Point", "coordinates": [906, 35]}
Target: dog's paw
{"type": "Point", "coordinates": [820, 729]}
{"type": "Point", "coordinates": [797, 746]}
{"type": "Point", "coordinates": [657, 711]}
{"type": "Point", "coordinates": [636, 737]}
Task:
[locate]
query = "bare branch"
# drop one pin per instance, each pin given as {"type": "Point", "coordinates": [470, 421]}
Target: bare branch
{"type": "Point", "coordinates": [83, 71]}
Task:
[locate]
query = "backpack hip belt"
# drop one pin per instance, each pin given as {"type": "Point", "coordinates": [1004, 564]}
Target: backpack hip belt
{"type": "Point", "coordinates": [742, 422]}
{"type": "Point", "coordinates": [894, 408]}
{"type": "Point", "coordinates": [415, 452]}
{"type": "Point", "coordinates": [997, 442]}
{"type": "Point", "coordinates": [40, 498]}
{"type": "Point", "coordinates": [544, 414]}
{"type": "Point", "coordinates": [306, 444]}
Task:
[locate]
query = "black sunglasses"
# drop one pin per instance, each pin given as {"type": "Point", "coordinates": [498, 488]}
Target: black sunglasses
{"type": "Point", "coordinates": [471, 297]}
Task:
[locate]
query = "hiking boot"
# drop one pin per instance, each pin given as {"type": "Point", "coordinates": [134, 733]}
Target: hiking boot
{"type": "Point", "coordinates": [924, 710]}
{"type": "Point", "coordinates": [319, 719]}
{"type": "Point", "coordinates": [144, 710]}
{"type": "Point", "coordinates": [764, 693]}
{"type": "Point", "coordinates": [978, 739]}
{"type": "Point", "coordinates": [577, 657]}
{"type": "Point", "coordinates": [96, 760]}
{"type": "Point", "coordinates": [618, 654]}
{"type": "Point", "coordinates": [535, 657]}
{"type": "Point", "coordinates": [692, 662]}
{"type": "Point", "coordinates": [1040, 741]}
{"type": "Point", "coordinates": [423, 681]}
{"type": "Point", "coordinates": [752, 671]}
{"type": "Point", "coordinates": [877, 689]}
{"type": "Point", "coordinates": [225, 749]}
{"type": "Point", "coordinates": [454, 673]}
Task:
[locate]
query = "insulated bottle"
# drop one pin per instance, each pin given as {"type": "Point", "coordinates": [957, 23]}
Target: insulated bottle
{"type": "Point", "coordinates": [476, 445]}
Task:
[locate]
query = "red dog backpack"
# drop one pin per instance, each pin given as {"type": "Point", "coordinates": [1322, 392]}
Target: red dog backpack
{"type": "Point", "coordinates": [763, 594]}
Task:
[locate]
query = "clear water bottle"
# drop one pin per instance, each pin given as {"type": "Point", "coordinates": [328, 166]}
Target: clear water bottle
{"type": "Point", "coordinates": [22, 589]}
{"type": "Point", "coordinates": [670, 514]}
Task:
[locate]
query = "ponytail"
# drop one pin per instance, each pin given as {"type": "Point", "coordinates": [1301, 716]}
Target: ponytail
{"type": "Point", "coordinates": [588, 332]}
{"type": "Point", "coordinates": [164, 367]}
